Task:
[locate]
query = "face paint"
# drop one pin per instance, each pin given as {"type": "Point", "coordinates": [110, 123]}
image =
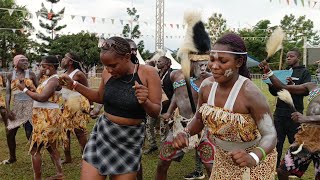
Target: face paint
{"type": "Point", "coordinates": [228, 72]}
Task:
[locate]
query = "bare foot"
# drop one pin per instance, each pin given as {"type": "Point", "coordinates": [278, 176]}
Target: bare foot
{"type": "Point", "coordinates": [56, 177]}
{"type": "Point", "coordinates": [8, 161]}
{"type": "Point", "coordinates": [66, 161]}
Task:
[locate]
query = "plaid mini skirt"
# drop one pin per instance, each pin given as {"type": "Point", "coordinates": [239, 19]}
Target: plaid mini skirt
{"type": "Point", "coordinates": [114, 149]}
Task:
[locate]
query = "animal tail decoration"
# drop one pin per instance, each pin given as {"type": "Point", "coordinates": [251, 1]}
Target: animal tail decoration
{"type": "Point", "coordinates": [285, 96]}
{"type": "Point", "coordinates": [274, 42]}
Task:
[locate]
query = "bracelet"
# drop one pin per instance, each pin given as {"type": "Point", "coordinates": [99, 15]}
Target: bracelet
{"type": "Point", "coordinates": [92, 106]}
{"type": "Point", "coordinates": [269, 74]}
{"type": "Point", "coordinates": [255, 157]}
{"type": "Point", "coordinates": [74, 84]}
{"type": "Point", "coordinates": [187, 132]}
{"type": "Point", "coordinates": [263, 152]}
{"type": "Point", "coordinates": [25, 90]}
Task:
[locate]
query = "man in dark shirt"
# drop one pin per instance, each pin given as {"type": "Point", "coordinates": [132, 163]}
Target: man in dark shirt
{"type": "Point", "coordinates": [282, 114]}
{"type": "Point", "coordinates": [163, 64]}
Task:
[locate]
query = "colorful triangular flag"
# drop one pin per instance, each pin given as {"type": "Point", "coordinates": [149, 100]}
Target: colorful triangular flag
{"type": "Point", "coordinates": [295, 2]}
{"type": "Point", "coordinates": [10, 11]}
{"type": "Point", "coordinates": [93, 19]}
{"type": "Point", "coordinates": [38, 13]}
{"type": "Point", "coordinates": [121, 21]}
{"type": "Point", "coordinates": [72, 16]}
{"type": "Point", "coordinates": [288, 2]}
{"type": "Point", "coordinates": [14, 30]}
{"type": "Point", "coordinates": [183, 26]}
{"type": "Point", "coordinates": [302, 2]}
{"type": "Point", "coordinates": [177, 26]}
{"type": "Point", "coordinates": [112, 21]}
{"type": "Point", "coordinates": [103, 20]}
{"type": "Point", "coordinates": [83, 18]}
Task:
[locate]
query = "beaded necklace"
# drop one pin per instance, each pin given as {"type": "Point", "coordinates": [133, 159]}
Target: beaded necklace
{"type": "Point", "coordinates": [314, 93]}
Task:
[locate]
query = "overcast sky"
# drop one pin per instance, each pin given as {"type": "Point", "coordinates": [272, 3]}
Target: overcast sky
{"type": "Point", "coordinates": [238, 13]}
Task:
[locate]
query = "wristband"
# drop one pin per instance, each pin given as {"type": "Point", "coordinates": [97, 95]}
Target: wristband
{"type": "Point", "coordinates": [74, 84]}
{"type": "Point", "coordinates": [269, 74]}
{"type": "Point", "coordinates": [25, 90]}
{"type": "Point", "coordinates": [255, 157]}
{"type": "Point", "coordinates": [263, 152]}
{"type": "Point", "coordinates": [92, 106]}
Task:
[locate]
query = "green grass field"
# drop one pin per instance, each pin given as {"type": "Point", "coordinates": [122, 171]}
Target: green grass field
{"type": "Point", "coordinates": [22, 169]}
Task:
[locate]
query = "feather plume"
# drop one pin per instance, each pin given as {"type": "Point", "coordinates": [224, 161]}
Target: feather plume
{"type": "Point", "coordinates": [285, 96]}
{"type": "Point", "coordinates": [74, 104]}
{"type": "Point", "coordinates": [190, 18]}
{"type": "Point", "coordinates": [274, 42]}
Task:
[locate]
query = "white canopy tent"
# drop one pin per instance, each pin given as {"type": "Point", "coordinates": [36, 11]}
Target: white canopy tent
{"type": "Point", "coordinates": [141, 61]}
{"type": "Point", "coordinates": [174, 63]}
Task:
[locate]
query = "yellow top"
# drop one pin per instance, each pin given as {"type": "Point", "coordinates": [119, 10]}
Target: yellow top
{"type": "Point", "coordinates": [229, 126]}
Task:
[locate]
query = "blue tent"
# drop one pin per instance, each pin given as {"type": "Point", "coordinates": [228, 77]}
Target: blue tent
{"type": "Point", "coordinates": [251, 62]}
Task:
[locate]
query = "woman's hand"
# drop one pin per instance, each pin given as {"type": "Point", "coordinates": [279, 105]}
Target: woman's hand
{"type": "Point", "coordinates": [141, 92]}
{"type": "Point", "coordinates": [242, 158]}
{"type": "Point", "coordinates": [21, 85]}
{"type": "Point", "coordinates": [264, 65]}
{"type": "Point", "coordinates": [65, 80]}
{"type": "Point", "coordinates": [180, 141]}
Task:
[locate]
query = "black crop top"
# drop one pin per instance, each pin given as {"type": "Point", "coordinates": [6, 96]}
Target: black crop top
{"type": "Point", "coordinates": [120, 99]}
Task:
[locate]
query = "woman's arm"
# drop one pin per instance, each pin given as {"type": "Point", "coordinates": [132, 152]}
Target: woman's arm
{"type": "Point", "coordinates": [46, 93]}
{"type": "Point", "coordinates": [91, 94]}
{"type": "Point", "coordinates": [152, 104]}
{"type": "Point", "coordinates": [260, 112]}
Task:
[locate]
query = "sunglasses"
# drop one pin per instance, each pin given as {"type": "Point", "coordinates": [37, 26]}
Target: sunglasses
{"type": "Point", "coordinates": [107, 44]}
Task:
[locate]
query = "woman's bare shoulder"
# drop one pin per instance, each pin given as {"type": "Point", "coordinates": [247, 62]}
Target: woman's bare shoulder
{"type": "Point", "coordinates": [251, 92]}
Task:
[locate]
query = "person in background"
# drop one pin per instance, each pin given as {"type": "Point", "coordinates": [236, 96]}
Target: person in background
{"type": "Point", "coordinates": [282, 115]}
{"type": "Point", "coordinates": [47, 123]}
{"type": "Point", "coordinates": [163, 66]}
{"type": "Point", "coordinates": [22, 104]}
{"type": "Point", "coordinates": [75, 119]}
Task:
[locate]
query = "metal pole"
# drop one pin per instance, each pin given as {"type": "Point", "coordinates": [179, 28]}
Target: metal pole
{"type": "Point", "coordinates": [305, 50]}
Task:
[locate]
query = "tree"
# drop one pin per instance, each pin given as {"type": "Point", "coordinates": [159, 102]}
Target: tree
{"type": "Point", "coordinates": [298, 28]}
{"type": "Point", "coordinates": [216, 26]}
{"type": "Point", "coordinates": [133, 32]}
{"type": "Point", "coordinates": [13, 42]}
{"type": "Point", "coordinates": [50, 24]}
{"type": "Point", "coordinates": [84, 44]}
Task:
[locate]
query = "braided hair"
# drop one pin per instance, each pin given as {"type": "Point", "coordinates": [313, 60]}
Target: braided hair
{"type": "Point", "coordinates": [236, 44]}
{"type": "Point", "coordinates": [76, 60]}
{"type": "Point", "coordinates": [120, 47]}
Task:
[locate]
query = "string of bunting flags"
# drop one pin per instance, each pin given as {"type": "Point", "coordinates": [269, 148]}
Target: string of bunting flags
{"type": "Point", "coordinates": [107, 35]}
{"type": "Point", "coordinates": [310, 3]}
{"type": "Point", "coordinates": [94, 19]}
{"type": "Point", "coordinates": [122, 22]}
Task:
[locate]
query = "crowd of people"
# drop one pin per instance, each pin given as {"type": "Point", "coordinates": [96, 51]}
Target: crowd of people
{"type": "Point", "coordinates": [210, 106]}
